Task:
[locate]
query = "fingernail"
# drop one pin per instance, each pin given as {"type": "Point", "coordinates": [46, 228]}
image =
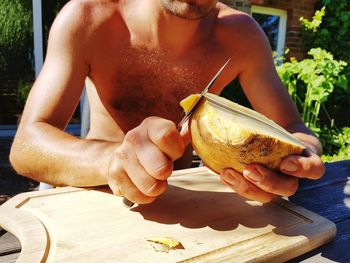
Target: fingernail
{"type": "Point", "coordinates": [290, 166]}
{"type": "Point", "coordinates": [253, 175]}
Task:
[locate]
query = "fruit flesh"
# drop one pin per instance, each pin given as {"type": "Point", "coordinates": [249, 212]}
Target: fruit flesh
{"type": "Point", "coordinates": [188, 102]}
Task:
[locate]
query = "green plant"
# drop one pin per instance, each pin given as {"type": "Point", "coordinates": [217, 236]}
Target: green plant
{"type": "Point", "coordinates": [311, 81]}
{"type": "Point", "coordinates": [342, 140]}
{"type": "Point", "coordinates": [15, 36]}
{"type": "Point", "coordinates": [316, 21]}
{"type": "Point", "coordinates": [329, 29]}
{"type": "Point", "coordinates": [16, 33]}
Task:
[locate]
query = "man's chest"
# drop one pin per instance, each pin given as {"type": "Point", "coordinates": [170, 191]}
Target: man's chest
{"type": "Point", "coordinates": [135, 84]}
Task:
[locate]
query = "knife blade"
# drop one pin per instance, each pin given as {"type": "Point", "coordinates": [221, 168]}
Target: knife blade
{"type": "Point", "coordinates": [201, 96]}
{"type": "Point", "coordinates": [126, 201]}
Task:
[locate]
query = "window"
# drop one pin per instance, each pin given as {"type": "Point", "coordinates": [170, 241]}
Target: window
{"type": "Point", "coordinates": [273, 22]}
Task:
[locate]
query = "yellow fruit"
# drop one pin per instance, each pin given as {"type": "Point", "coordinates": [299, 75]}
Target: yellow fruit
{"type": "Point", "coordinates": [165, 244]}
{"type": "Point", "coordinates": [228, 135]}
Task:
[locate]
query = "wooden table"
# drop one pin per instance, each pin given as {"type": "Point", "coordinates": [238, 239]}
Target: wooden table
{"type": "Point", "coordinates": [328, 197]}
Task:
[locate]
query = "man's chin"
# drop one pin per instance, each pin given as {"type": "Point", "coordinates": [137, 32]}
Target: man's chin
{"type": "Point", "coordinates": [186, 10]}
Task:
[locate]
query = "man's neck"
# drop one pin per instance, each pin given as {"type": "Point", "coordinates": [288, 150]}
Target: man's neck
{"type": "Point", "coordinates": [158, 28]}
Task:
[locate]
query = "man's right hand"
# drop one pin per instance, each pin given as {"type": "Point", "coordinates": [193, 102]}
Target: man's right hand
{"type": "Point", "coordinates": [139, 168]}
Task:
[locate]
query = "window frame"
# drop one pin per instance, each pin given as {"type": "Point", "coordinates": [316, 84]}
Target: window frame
{"type": "Point", "coordinates": [282, 26]}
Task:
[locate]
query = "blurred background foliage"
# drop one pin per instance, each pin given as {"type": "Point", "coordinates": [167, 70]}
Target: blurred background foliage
{"type": "Point", "coordinates": [17, 47]}
{"type": "Point", "coordinates": [15, 36]}
{"type": "Point", "coordinates": [323, 77]}
{"type": "Point", "coordinates": [319, 83]}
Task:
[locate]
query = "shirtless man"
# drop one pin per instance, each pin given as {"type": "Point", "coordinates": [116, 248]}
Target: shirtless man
{"type": "Point", "coordinates": [139, 58]}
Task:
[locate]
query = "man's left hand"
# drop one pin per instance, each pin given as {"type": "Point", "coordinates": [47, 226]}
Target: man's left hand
{"type": "Point", "coordinates": [262, 184]}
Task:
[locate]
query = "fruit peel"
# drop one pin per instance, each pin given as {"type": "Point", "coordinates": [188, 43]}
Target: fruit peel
{"type": "Point", "coordinates": [225, 138]}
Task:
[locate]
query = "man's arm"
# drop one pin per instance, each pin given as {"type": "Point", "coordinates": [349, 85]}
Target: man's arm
{"type": "Point", "coordinates": [137, 167]}
{"type": "Point", "coordinates": [41, 150]}
{"type": "Point", "coordinates": [266, 93]}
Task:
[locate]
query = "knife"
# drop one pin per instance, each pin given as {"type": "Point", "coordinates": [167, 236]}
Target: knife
{"type": "Point", "coordinates": [205, 91]}
{"type": "Point", "coordinates": [126, 201]}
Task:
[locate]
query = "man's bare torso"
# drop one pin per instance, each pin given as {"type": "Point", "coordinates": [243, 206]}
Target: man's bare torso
{"type": "Point", "coordinates": [140, 58]}
{"type": "Point", "coordinates": [147, 83]}
{"type": "Point", "coordinates": [134, 78]}
{"type": "Point", "coordinates": [131, 77]}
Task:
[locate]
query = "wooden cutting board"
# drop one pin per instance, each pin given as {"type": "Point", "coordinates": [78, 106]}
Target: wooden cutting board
{"type": "Point", "coordinates": [212, 223]}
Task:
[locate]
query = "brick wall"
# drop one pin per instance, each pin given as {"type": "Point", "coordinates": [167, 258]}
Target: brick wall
{"type": "Point", "coordinates": [242, 5]}
{"type": "Point", "coordinates": [295, 9]}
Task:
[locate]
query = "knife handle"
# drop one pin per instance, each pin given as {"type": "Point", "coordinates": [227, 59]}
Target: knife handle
{"type": "Point", "coordinates": [127, 202]}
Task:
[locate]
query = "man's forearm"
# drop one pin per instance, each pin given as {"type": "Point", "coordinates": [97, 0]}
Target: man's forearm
{"type": "Point", "coordinates": [47, 154]}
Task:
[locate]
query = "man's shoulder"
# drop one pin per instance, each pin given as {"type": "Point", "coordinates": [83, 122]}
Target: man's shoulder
{"type": "Point", "coordinates": [83, 21]}
{"type": "Point", "coordinates": [89, 13]}
{"type": "Point", "coordinates": [237, 29]}
{"type": "Point", "coordinates": [91, 5]}
{"type": "Point", "coordinates": [234, 20]}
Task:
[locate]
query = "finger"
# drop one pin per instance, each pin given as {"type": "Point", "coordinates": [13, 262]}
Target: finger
{"type": "Point", "coordinates": [156, 164]}
{"type": "Point", "coordinates": [269, 181]}
{"type": "Point", "coordinates": [154, 161]}
{"type": "Point", "coordinates": [164, 134]}
{"type": "Point", "coordinates": [122, 181]}
{"type": "Point", "coordinates": [138, 175]}
{"type": "Point", "coordinates": [309, 166]}
{"type": "Point", "coordinates": [243, 187]}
